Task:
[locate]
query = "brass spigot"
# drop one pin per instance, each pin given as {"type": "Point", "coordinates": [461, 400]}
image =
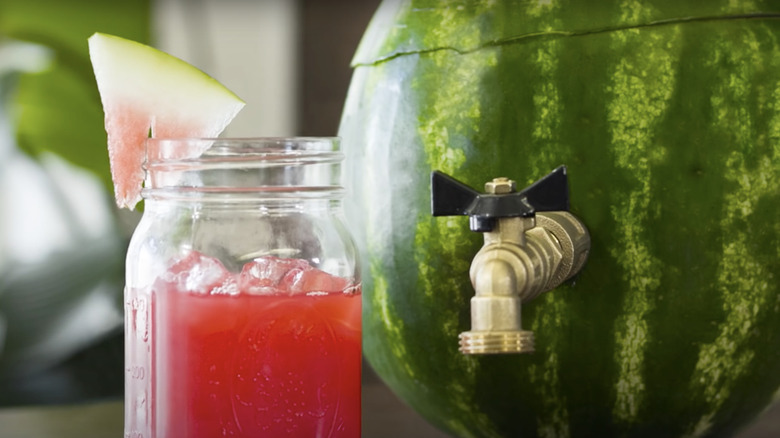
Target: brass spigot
{"type": "Point", "coordinates": [532, 244]}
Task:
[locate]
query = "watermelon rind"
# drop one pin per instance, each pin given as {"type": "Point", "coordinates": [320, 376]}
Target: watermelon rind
{"type": "Point", "coordinates": [146, 91]}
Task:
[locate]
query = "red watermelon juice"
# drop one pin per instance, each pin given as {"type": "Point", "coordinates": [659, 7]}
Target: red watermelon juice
{"type": "Point", "coordinates": [271, 352]}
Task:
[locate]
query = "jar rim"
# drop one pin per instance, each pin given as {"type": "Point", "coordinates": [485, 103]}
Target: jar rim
{"type": "Point", "coordinates": [186, 149]}
{"type": "Point", "coordinates": [243, 168]}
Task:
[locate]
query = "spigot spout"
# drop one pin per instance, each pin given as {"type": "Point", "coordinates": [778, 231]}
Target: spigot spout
{"type": "Point", "coordinates": [532, 245]}
{"type": "Point", "coordinates": [521, 258]}
{"type": "Point", "coordinates": [498, 275]}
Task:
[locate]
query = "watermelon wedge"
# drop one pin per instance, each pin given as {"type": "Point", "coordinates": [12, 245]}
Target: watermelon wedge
{"type": "Point", "coordinates": [143, 91]}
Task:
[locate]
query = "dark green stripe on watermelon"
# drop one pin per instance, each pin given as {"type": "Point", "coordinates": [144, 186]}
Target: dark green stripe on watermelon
{"type": "Point", "coordinates": [671, 133]}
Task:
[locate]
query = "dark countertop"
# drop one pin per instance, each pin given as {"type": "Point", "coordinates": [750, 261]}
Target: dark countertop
{"type": "Point", "coordinates": [384, 416]}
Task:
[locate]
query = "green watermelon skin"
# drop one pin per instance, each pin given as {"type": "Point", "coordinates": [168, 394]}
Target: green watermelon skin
{"type": "Point", "coordinates": [667, 114]}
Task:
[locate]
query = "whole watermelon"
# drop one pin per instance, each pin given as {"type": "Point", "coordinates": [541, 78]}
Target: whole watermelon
{"type": "Point", "coordinates": [667, 114]}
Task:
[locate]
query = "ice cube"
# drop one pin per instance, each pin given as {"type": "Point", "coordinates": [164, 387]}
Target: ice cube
{"type": "Point", "coordinates": [270, 275]}
{"type": "Point", "coordinates": [199, 274]}
{"type": "Point", "coordinates": [316, 282]}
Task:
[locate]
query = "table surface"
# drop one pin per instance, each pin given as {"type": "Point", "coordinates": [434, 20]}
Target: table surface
{"type": "Point", "coordinates": [384, 416]}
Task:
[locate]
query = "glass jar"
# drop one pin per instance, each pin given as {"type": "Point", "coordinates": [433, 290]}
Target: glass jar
{"type": "Point", "coordinates": [242, 304]}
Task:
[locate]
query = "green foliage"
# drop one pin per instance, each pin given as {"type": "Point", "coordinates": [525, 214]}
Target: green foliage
{"type": "Point", "coordinates": [58, 109]}
{"type": "Point", "coordinates": [52, 104]}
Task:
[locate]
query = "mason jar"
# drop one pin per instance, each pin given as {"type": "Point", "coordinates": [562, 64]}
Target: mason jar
{"type": "Point", "coordinates": [243, 293]}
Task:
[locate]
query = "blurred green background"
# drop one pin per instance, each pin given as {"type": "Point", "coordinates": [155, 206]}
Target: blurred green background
{"type": "Point", "coordinates": [61, 247]}
{"type": "Point", "coordinates": [62, 240]}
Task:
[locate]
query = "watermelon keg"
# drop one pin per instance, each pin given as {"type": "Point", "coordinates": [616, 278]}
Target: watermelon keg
{"type": "Point", "coordinates": [667, 116]}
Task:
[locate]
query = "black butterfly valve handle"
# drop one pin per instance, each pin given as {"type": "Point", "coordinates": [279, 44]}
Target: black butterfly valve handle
{"type": "Point", "coordinates": [532, 245]}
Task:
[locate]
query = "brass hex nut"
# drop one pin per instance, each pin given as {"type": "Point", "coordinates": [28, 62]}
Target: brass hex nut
{"type": "Point", "coordinates": [500, 186]}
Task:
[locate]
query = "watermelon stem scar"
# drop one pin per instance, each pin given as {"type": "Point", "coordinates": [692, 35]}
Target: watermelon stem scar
{"type": "Point", "coordinates": [532, 245]}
